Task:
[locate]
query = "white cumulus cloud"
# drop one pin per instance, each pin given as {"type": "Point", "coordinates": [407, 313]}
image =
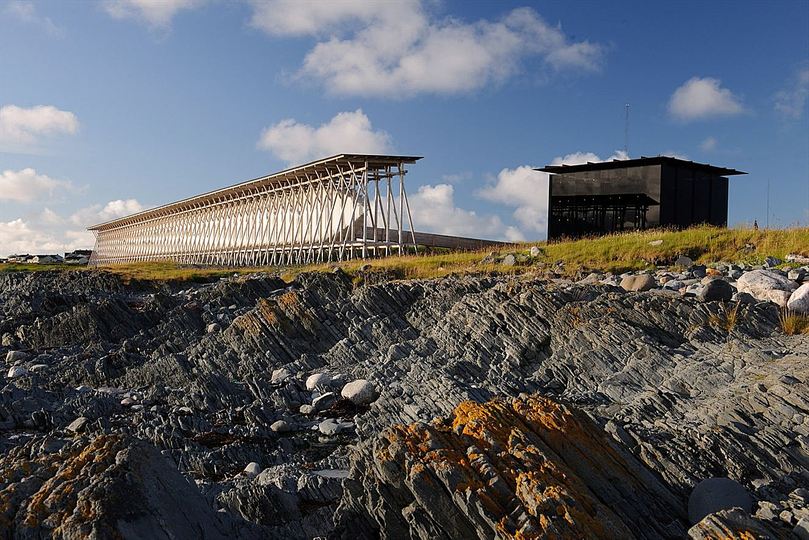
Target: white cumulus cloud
{"type": "Point", "coordinates": [347, 132]}
{"type": "Point", "coordinates": [39, 237]}
{"type": "Point", "coordinates": [700, 98]}
{"type": "Point", "coordinates": [791, 101]}
{"type": "Point", "coordinates": [27, 185]}
{"type": "Point", "coordinates": [398, 49]}
{"type": "Point", "coordinates": [95, 214]}
{"type": "Point", "coordinates": [526, 190]}
{"type": "Point", "coordinates": [20, 125]}
{"type": "Point", "coordinates": [155, 13]}
{"type": "Point", "coordinates": [434, 210]}
{"type": "Point", "coordinates": [48, 231]}
{"type": "Point", "coordinates": [579, 158]}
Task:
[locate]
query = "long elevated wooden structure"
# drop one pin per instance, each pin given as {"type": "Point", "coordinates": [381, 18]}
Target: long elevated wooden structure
{"type": "Point", "coordinates": [338, 208]}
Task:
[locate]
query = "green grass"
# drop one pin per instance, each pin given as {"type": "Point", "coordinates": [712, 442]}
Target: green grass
{"type": "Point", "coordinates": [615, 253]}
{"type": "Point", "coordinates": [632, 251]}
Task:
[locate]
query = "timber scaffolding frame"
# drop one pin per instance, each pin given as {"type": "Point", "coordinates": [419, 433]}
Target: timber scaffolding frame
{"type": "Point", "coordinates": [342, 207]}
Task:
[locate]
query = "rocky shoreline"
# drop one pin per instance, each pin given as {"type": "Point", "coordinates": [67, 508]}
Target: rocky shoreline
{"type": "Point", "coordinates": [463, 407]}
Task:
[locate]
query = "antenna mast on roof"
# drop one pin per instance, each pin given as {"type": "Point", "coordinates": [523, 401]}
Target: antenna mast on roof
{"type": "Point", "coordinates": [626, 132]}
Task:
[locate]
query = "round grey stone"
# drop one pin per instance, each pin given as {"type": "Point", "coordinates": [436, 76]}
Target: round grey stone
{"type": "Point", "coordinates": [715, 494]}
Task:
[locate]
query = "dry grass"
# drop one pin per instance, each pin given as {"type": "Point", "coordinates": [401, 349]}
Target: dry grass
{"type": "Point", "coordinates": [614, 253]}
{"type": "Point", "coordinates": [726, 319]}
{"type": "Point", "coordinates": [793, 324]}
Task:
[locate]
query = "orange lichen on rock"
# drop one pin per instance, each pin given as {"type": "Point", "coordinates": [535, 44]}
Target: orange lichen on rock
{"type": "Point", "coordinates": [59, 491]}
{"type": "Point", "coordinates": [529, 467]}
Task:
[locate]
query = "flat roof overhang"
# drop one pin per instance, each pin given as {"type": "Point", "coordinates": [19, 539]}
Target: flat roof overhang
{"type": "Point", "coordinates": [638, 162]}
{"type": "Point", "coordinates": [320, 165]}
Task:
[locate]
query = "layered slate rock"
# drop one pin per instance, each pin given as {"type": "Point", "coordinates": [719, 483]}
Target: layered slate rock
{"type": "Point", "coordinates": [691, 389]}
{"type": "Point", "coordinates": [522, 468]}
{"type": "Point", "coordinates": [106, 487]}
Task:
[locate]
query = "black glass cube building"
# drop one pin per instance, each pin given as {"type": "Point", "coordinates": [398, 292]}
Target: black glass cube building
{"type": "Point", "coordinates": [619, 195]}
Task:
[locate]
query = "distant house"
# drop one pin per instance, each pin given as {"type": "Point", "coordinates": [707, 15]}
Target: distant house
{"type": "Point", "coordinates": [3, 261]}
{"type": "Point", "coordinates": [18, 258]}
{"type": "Point", "coordinates": [78, 257]}
{"type": "Point", "coordinates": [45, 259]}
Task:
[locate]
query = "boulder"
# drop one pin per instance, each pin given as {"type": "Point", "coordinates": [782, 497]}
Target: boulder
{"type": "Point", "coordinates": [280, 375]}
{"type": "Point", "coordinates": [535, 251]}
{"type": "Point", "coordinates": [656, 243]}
{"type": "Point", "coordinates": [213, 327]}
{"type": "Point", "coordinates": [332, 427]}
{"type": "Point", "coordinates": [15, 357]}
{"type": "Point", "coordinates": [767, 285]}
{"type": "Point", "coordinates": [771, 262]}
{"type": "Point", "coordinates": [801, 530]}
{"type": "Point", "coordinates": [324, 401]}
{"type": "Point", "coordinates": [280, 426]}
{"type": "Point", "coordinates": [799, 300]}
{"type": "Point", "coordinates": [642, 282]}
{"type": "Point", "coordinates": [797, 274]}
{"type": "Point", "coordinates": [743, 298]}
{"type": "Point", "coordinates": [674, 285]}
{"type": "Point", "coordinates": [509, 260]}
{"type": "Point", "coordinates": [16, 371]}
{"type": "Point", "coordinates": [683, 261]}
{"type": "Point", "coordinates": [329, 427]}
{"type": "Point", "coordinates": [78, 425]}
{"type": "Point", "coordinates": [317, 380]}
{"type": "Point", "coordinates": [716, 290]}
{"type": "Point", "coordinates": [716, 494]}
{"type": "Point", "coordinates": [360, 392]}
{"type": "Point", "coordinates": [252, 470]}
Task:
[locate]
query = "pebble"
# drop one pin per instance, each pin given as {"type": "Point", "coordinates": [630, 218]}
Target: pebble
{"type": "Point", "coordinates": [16, 371]}
{"type": "Point", "coordinates": [360, 392]}
{"type": "Point", "coordinates": [252, 469]}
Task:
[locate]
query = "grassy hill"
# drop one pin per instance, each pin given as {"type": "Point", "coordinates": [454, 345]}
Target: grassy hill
{"type": "Point", "coordinates": [615, 253]}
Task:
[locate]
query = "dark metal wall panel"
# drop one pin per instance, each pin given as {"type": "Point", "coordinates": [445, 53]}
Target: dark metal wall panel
{"type": "Point", "coordinates": [719, 201]}
{"type": "Point", "coordinates": [701, 202]}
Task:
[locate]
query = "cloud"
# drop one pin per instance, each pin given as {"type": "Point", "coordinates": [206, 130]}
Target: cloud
{"type": "Point", "coordinates": [27, 185]}
{"type": "Point", "coordinates": [700, 98]}
{"type": "Point", "coordinates": [95, 214]}
{"type": "Point", "coordinates": [791, 102]}
{"type": "Point", "coordinates": [25, 11]}
{"type": "Point", "coordinates": [155, 13]}
{"type": "Point", "coordinates": [49, 232]}
{"type": "Point", "coordinates": [579, 158]}
{"type": "Point", "coordinates": [526, 190]}
{"type": "Point", "coordinates": [708, 145]}
{"type": "Point", "coordinates": [24, 236]}
{"type": "Point", "coordinates": [347, 132]}
{"type": "Point", "coordinates": [396, 49]}
{"type": "Point", "coordinates": [434, 210]}
{"type": "Point", "coordinates": [23, 126]}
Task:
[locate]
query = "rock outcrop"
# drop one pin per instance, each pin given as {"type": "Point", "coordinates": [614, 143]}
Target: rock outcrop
{"type": "Point", "coordinates": [521, 468]}
{"type": "Point", "coordinates": [230, 394]}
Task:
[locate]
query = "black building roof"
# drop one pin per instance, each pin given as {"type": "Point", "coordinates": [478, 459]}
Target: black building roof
{"type": "Point", "coordinates": [638, 162]}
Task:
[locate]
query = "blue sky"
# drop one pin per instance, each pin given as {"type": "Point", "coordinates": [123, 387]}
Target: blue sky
{"type": "Point", "coordinates": [112, 106]}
